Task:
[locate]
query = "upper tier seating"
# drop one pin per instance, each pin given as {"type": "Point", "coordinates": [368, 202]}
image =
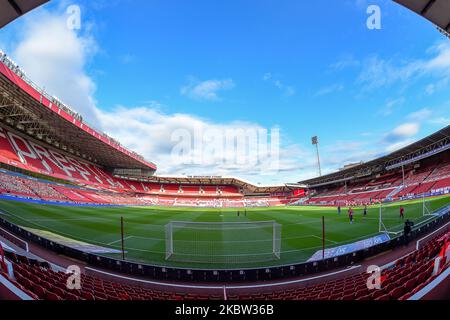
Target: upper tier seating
{"type": "Point", "coordinates": [23, 152]}
{"type": "Point", "coordinates": [440, 172]}
{"type": "Point", "coordinates": [428, 178]}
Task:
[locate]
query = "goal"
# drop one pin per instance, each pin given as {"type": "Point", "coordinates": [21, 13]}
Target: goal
{"type": "Point", "coordinates": [223, 242]}
{"type": "Point", "coordinates": [420, 211]}
{"type": "Point", "coordinates": [385, 214]}
{"type": "Point", "coordinates": [427, 210]}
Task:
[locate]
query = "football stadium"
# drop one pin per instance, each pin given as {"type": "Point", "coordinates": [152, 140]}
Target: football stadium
{"type": "Point", "coordinates": [82, 217]}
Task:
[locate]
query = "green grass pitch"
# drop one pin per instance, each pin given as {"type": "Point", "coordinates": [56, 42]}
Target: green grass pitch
{"type": "Point", "coordinates": [145, 229]}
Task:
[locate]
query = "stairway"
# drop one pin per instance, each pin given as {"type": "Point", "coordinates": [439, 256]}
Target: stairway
{"type": "Point", "coordinates": [395, 191]}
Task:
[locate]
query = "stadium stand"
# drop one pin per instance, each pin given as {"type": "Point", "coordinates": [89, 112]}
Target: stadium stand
{"type": "Point", "coordinates": [27, 187]}
{"type": "Point", "coordinates": [424, 177]}
{"type": "Point", "coordinates": [19, 150]}
{"type": "Point", "coordinates": [119, 191]}
{"type": "Point", "coordinates": [399, 281]}
{"type": "Point", "coordinates": [88, 168]}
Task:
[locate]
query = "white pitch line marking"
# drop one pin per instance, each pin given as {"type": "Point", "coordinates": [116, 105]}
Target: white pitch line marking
{"type": "Point", "coordinates": [119, 240]}
{"type": "Point", "coordinates": [325, 239]}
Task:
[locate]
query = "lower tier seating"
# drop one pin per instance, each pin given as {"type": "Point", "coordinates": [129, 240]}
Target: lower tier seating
{"type": "Point", "coordinates": [404, 278]}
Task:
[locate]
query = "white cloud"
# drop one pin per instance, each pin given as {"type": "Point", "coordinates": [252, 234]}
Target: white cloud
{"type": "Point", "coordinates": [377, 73]}
{"type": "Point", "coordinates": [151, 133]}
{"type": "Point", "coordinates": [55, 57]}
{"type": "Point", "coordinates": [420, 115]}
{"type": "Point", "coordinates": [388, 109]}
{"type": "Point", "coordinates": [278, 84]}
{"type": "Point", "coordinates": [345, 146]}
{"type": "Point", "coordinates": [398, 145]}
{"type": "Point", "coordinates": [267, 76]}
{"type": "Point", "coordinates": [432, 88]}
{"type": "Point", "coordinates": [346, 61]}
{"type": "Point", "coordinates": [406, 130]}
{"type": "Point", "coordinates": [3, 47]}
{"type": "Point", "coordinates": [391, 104]}
{"type": "Point", "coordinates": [441, 61]}
{"type": "Point", "coordinates": [401, 136]}
{"type": "Point", "coordinates": [344, 152]}
{"type": "Point", "coordinates": [289, 91]}
{"type": "Point", "coordinates": [441, 121]}
{"type": "Point", "coordinates": [127, 58]}
{"type": "Point", "coordinates": [286, 89]}
{"type": "Point", "coordinates": [329, 89]}
{"type": "Point", "coordinates": [206, 90]}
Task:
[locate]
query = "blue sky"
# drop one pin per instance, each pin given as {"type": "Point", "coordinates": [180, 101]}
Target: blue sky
{"type": "Point", "coordinates": [141, 69]}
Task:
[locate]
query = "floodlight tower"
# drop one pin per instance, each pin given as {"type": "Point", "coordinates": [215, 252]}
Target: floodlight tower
{"type": "Point", "coordinates": [315, 141]}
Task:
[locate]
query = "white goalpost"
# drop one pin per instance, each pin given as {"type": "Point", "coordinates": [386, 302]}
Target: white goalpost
{"type": "Point", "coordinates": [426, 209]}
{"type": "Point", "coordinates": [223, 242]}
{"type": "Point", "coordinates": [423, 206]}
{"type": "Point", "coordinates": [169, 240]}
{"type": "Point", "coordinates": [381, 226]}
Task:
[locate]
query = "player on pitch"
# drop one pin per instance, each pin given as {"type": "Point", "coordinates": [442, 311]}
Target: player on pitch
{"type": "Point", "coordinates": [402, 213]}
{"type": "Point", "coordinates": [350, 215]}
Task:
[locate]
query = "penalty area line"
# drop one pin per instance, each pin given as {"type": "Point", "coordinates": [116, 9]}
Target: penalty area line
{"type": "Point", "coordinates": [328, 240]}
{"type": "Point", "coordinates": [126, 238]}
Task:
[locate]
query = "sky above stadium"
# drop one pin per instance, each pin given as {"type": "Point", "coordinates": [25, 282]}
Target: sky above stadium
{"type": "Point", "coordinates": [147, 72]}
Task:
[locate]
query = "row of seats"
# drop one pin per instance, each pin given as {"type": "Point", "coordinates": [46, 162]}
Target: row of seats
{"type": "Point", "coordinates": [399, 282]}
{"type": "Point", "coordinates": [18, 150]}
{"type": "Point", "coordinates": [31, 188]}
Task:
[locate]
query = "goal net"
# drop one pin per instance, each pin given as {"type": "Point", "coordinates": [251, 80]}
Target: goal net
{"type": "Point", "coordinates": [388, 220]}
{"type": "Point", "coordinates": [223, 242]}
{"type": "Point", "coordinates": [420, 211]}
{"type": "Point", "coordinates": [427, 210]}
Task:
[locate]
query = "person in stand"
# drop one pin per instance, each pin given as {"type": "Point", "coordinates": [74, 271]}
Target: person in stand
{"type": "Point", "coordinates": [407, 231]}
{"type": "Point", "coordinates": [402, 213]}
{"type": "Point", "coordinates": [350, 214]}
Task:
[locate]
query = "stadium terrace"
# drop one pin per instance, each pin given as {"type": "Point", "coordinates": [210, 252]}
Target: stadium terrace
{"type": "Point", "coordinates": [69, 192]}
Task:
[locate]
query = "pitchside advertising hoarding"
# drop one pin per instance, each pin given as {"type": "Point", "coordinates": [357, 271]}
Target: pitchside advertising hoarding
{"type": "Point", "coordinates": [349, 248]}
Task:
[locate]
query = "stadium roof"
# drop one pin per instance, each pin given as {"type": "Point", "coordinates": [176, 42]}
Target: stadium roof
{"type": "Point", "coordinates": [13, 9]}
{"type": "Point", "coordinates": [418, 150]}
{"type": "Point", "coordinates": [436, 11]}
{"type": "Point", "coordinates": [29, 109]}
